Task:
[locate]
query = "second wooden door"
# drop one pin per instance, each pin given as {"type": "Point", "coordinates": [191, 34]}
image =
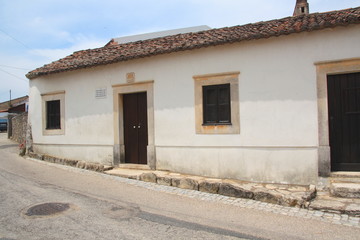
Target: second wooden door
{"type": "Point", "coordinates": [344, 121]}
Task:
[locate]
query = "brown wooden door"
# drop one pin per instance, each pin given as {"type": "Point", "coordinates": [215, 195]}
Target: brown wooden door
{"type": "Point", "coordinates": [135, 128]}
{"type": "Point", "coordinates": [344, 121]}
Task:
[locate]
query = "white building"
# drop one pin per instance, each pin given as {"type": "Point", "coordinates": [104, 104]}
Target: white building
{"type": "Point", "coordinates": [248, 102]}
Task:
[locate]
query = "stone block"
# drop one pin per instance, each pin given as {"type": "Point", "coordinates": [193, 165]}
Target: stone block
{"type": "Point", "coordinates": [175, 182]}
{"type": "Point", "coordinates": [48, 158]}
{"type": "Point", "coordinates": [209, 187]}
{"type": "Point", "coordinates": [94, 167]}
{"type": "Point", "coordinates": [185, 183]}
{"type": "Point", "coordinates": [310, 194]}
{"type": "Point", "coordinates": [108, 168]}
{"type": "Point", "coordinates": [230, 190]}
{"type": "Point", "coordinates": [81, 164]}
{"type": "Point", "coordinates": [70, 162]}
{"type": "Point", "coordinates": [22, 151]}
{"type": "Point", "coordinates": [345, 190]}
{"type": "Point", "coordinates": [36, 156]}
{"type": "Point", "coordinates": [293, 200]}
{"type": "Point", "coordinates": [328, 206]}
{"type": "Point", "coordinates": [134, 177]}
{"type": "Point", "coordinates": [59, 161]}
{"type": "Point", "coordinates": [268, 196]}
{"type": "Point", "coordinates": [353, 210]}
{"type": "Point", "coordinates": [148, 177]}
{"type": "Point", "coordinates": [162, 180]}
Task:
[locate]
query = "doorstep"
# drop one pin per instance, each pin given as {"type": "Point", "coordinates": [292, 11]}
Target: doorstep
{"type": "Point", "coordinates": [327, 203]}
{"type": "Point", "coordinates": [342, 195]}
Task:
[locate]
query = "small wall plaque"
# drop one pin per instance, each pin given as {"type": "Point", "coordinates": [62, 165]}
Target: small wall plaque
{"type": "Point", "coordinates": [130, 77]}
{"type": "Point", "coordinates": [100, 93]}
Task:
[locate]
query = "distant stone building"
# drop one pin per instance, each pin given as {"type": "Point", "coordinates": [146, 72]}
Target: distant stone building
{"type": "Point", "coordinates": [15, 112]}
{"type": "Point", "coordinates": [17, 105]}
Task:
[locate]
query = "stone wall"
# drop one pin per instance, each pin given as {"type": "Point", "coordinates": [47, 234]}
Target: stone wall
{"type": "Point", "coordinates": [18, 127]}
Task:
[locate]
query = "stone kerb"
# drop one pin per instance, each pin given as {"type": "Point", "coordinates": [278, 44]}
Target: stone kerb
{"type": "Point", "coordinates": [70, 162]}
{"type": "Point", "coordinates": [285, 195]}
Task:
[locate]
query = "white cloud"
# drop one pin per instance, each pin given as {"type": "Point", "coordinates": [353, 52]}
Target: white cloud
{"type": "Point", "coordinates": [12, 75]}
{"type": "Point", "coordinates": [18, 85]}
{"type": "Point", "coordinates": [78, 43]}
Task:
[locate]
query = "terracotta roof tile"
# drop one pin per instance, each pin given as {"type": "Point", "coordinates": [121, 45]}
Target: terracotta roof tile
{"type": "Point", "coordinates": [4, 106]}
{"type": "Point", "coordinates": [113, 52]}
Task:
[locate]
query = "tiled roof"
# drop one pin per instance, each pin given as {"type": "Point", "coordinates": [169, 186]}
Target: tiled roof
{"type": "Point", "coordinates": [113, 52]}
{"type": "Point", "coordinates": [4, 106]}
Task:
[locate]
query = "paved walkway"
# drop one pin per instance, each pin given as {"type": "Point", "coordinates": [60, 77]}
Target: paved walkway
{"type": "Point", "coordinates": [132, 176]}
{"type": "Point", "coordinates": [247, 203]}
{"type": "Point", "coordinates": [136, 178]}
{"type": "Point", "coordinates": [281, 194]}
{"type": "Point", "coordinates": [275, 198]}
{"type": "Point", "coordinates": [334, 218]}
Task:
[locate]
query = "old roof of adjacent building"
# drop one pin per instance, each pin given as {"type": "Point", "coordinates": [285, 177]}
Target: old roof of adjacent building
{"type": "Point", "coordinates": [146, 36]}
{"type": "Point", "coordinates": [4, 106]}
{"type": "Point", "coordinates": [114, 52]}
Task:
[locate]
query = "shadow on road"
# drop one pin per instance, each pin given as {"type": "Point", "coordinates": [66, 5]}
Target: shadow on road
{"type": "Point", "coordinates": [7, 146]}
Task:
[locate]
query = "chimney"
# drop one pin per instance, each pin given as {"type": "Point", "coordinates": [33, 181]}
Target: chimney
{"type": "Point", "coordinates": [301, 8]}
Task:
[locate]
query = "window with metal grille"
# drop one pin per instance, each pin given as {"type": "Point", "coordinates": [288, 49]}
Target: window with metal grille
{"type": "Point", "coordinates": [216, 104]}
{"type": "Point", "coordinates": [53, 114]}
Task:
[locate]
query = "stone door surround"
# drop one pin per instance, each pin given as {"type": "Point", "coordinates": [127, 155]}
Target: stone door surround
{"type": "Point", "coordinates": [119, 147]}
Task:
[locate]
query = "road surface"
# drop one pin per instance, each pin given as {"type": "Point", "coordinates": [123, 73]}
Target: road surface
{"type": "Point", "coordinates": [102, 207]}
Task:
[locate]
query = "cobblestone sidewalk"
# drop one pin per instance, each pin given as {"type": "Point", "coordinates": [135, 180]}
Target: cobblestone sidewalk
{"type": "Point", "coordinates": [341, 219]}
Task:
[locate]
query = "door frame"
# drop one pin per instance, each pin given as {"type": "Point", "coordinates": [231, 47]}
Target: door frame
{"type": "Point", "coordinates": [323, 69]}
{"type": "Point", "coordinates": [119, 145]}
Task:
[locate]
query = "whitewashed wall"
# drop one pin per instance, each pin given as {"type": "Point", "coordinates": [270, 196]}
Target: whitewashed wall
{"type": "Point", "coordinates": [278, 137]}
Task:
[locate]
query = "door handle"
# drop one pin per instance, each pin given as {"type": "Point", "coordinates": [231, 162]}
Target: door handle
{"type": "Point", "coordinates": [134, 126]}
{"type": "Point", "coordinates": [139, 126]}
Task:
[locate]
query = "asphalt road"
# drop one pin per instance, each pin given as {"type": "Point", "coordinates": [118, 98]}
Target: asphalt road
{"type": "Point", "coordinates": [101, 207]}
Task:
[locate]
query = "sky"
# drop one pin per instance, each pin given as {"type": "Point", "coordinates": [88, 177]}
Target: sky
{"type": "Point", "coordinates": [37, 32]}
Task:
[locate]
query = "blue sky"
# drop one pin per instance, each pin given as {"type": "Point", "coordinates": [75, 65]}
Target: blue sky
{"type": "Point", "coordinates": [37, 32]}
